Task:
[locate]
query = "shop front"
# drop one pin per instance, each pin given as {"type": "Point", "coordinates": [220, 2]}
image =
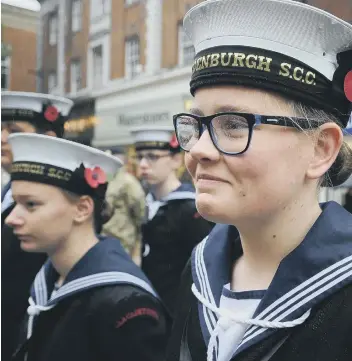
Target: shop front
{"type": "Point", "coordinates": [139, 102]}
{"type": "Point", "coordinates": [82, 122]}
{"type": "Point", "coordinates": [144, 103]}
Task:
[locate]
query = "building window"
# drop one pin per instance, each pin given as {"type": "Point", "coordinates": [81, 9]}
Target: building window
{"type": "Point", "coordinates": [52, 82]}
{"type": "Point", "coordinates": [76, 76]}
{"type": "Point", "coordinates": [76, 15]}
{"type": "Point", "coordinates": [186, 50]}
{"type": "Point", "coordinates": [99, 8]}
{"type": "Point", "coordinates": [98, 65]}
{"type": "Point", "coordinates": [132, 57]}
{"type": "Point", "coordinates": [53, 29]}
{"type": "Point", "coordinates": [5, 72]}
{"type": "Point", "coordinates": [131, 2]}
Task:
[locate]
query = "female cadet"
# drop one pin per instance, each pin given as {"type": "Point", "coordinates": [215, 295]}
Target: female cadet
{"type": "Point", "coordinates": [174, 226]}
{"type": "Point", "coordinates": [89, 301]}
{"type": "Point", "coordinates": [22, 112]}
{"type": "Point", "coordinates": [272, 90]}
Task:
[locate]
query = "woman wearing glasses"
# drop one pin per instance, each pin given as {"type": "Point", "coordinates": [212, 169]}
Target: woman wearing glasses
{"type": "Point", "coordinates": [173, 226]}
{"type": "Point", "coordinates": [272, 86]}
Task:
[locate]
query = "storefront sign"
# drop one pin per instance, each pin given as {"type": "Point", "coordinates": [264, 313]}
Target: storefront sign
{"type": "Point", "coordinates": [146, 119]}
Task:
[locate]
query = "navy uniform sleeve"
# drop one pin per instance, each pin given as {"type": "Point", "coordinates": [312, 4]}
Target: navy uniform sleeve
{"type": "Point", "coordinates": [130, 328]}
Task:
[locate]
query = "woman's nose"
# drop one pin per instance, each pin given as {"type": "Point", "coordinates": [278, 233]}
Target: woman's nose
{"type": "Point", "coordinates": [204, 149]}
{"type": "Point", "coordinates": [14, 219]}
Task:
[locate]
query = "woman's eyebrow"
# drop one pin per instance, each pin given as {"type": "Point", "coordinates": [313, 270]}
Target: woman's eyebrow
{"type": "Point", "coordinates": [231, 108]}
{"type": "Point", "coordinates": [223, 109]}
{"type": "Point", "coordinates": [196, 111]}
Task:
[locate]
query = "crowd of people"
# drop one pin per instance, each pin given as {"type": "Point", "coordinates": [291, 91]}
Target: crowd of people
{"type": "Point", "coordinates": [242, 264]}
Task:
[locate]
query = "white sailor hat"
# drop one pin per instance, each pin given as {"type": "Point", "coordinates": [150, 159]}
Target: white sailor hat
{"type": "Point", "coordinates": [155, 137]}
{"type": "Point", "coordinates": [280, 45]}
{"type": "Point", "coordinates": [47, 112]}
{"type": "Point", "coordinates": [61, 163]}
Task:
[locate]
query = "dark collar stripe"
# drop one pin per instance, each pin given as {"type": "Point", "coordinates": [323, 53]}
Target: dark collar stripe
{"type": "Point", "coordinates": [211, 318]}
{"type": "Point", "coordinates": [208, 317]}
{"type": "Point", "coordinates": [345, 278]}
{"type": "Point", "coordinates": [343, 267]}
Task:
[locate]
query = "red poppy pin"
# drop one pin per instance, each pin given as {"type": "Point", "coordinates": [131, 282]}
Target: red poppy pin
{"type": "Point", "coordinates": [348, 85]}
{"type": "Point", "coordinates": [94, 177]}
{"type": "Point", "coordinates": [173, 142]}
{"type": "Point", "coordinates": [51, 113]}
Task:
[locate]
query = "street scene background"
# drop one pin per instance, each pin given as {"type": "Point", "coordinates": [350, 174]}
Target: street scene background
{"type": "Point", "coordinates": [124, 63]}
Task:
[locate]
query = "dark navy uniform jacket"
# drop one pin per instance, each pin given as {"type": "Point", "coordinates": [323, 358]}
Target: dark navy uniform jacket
{"type": "Point", "coordinates": [313, 282]}
{"type": "Point", "coordinates": [173, 229]}
{"type": "Point", "coordinates": [105, 310]}
{"type": "Point", "coordinates": [18, 270]}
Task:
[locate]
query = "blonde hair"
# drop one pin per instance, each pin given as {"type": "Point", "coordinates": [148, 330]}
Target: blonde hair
{"type": "Point", "coordinates": [343, 164]}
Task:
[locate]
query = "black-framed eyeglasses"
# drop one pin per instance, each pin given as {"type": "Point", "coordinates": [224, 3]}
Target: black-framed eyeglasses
{"type": "Point", "coordinates": [150, 157]}
{"type": "Point", "coordinates": [230, 132]}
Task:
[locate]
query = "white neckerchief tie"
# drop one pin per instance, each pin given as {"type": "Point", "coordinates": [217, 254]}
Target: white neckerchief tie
{"type": "Point", "coordinates": [227, 318]}
{"type": "Point", "coordinates": [34, 310]}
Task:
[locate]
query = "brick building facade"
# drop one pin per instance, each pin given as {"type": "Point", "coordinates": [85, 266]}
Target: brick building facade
{"type": "Point", "coordinates": [19, 48]}
{"type": "Point", "coordinates": [130, 57]}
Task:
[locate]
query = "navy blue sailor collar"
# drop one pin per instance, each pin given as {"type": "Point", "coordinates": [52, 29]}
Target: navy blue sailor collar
{"type": "Point", "coordinates": [184, 191]}
{"type": "Point", "coordinates": [317, 268]}
{"type": "Point", "coordinates": [106, 263]}
{"type": "Point", "coordinates": [6, 197]}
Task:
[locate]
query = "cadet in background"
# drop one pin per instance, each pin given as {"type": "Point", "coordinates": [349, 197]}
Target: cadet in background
{"type": "Point", "coordinates": [173, 226]}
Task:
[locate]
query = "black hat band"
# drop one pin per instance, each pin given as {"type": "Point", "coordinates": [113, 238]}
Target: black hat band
{"type": "Point", "coordinates": [74, 182]}
{"type": "Point", "coordinates": [269, 70]}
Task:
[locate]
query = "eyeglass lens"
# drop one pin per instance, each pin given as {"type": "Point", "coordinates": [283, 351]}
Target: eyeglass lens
{"type": "Point", "coordinates": [230, 132]}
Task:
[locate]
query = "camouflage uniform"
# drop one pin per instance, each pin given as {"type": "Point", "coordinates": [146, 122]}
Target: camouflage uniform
{"type": "Point", "coordinates": [126, 199]}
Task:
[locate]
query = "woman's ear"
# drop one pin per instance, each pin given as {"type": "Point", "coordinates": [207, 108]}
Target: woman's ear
{"type": "Point", "coordinates": [84, 209]}
{"type": "Point", "coordinates": [328, 142]}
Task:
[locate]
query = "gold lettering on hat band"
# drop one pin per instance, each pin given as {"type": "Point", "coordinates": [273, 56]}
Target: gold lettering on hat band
{"type": "Point", "coordinates": [250, 61]}
{"type": "Point", "coordinates": [254, 61]}
{"type": "Point", "coordinates": [151, 144]}
{"type": "Point", "coordinates": [41, 170]}
{"type": "Point", "coordinates": [297, 73]}
{"type": "Point", "coordinates": [27, 168]}
{"type": "Point", "coordinates": [59, 174]}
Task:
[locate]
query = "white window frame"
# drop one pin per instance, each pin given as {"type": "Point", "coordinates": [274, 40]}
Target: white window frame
{"type": "Point", "coordinates": [53, 28]}
{"type": "Point", "coordinates": [76, 76]}
{"type": "Point", "coordinates": [132, 57]}
{"type": "Point", "coordinates": [99, 9]}
{"type": "Point", "coordinates": [104, 41]}
{"type": "Point", "coordinates": [76, 15]}
{"type": "Point", "coordinates": [98, 60]}
{"type": "Point", "coordinates": [131, 2]}
{"type": "Point", "coordinates": [6, 64]}
{"type": "Point", "coordinates": [184, 46]}
{"type": "Point", "coordinates": [52, 82]}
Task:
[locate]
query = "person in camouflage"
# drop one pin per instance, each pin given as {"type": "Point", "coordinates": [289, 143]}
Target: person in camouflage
{"type": "Point", "coordinates": [126, 200]}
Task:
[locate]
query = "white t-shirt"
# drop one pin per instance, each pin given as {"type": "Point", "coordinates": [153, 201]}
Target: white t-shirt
{"type": "Point", "coordinates": [244, 304]}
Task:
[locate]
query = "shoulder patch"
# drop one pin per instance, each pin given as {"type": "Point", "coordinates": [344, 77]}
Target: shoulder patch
{"type": "Point", "coordinates": [136, 313]}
